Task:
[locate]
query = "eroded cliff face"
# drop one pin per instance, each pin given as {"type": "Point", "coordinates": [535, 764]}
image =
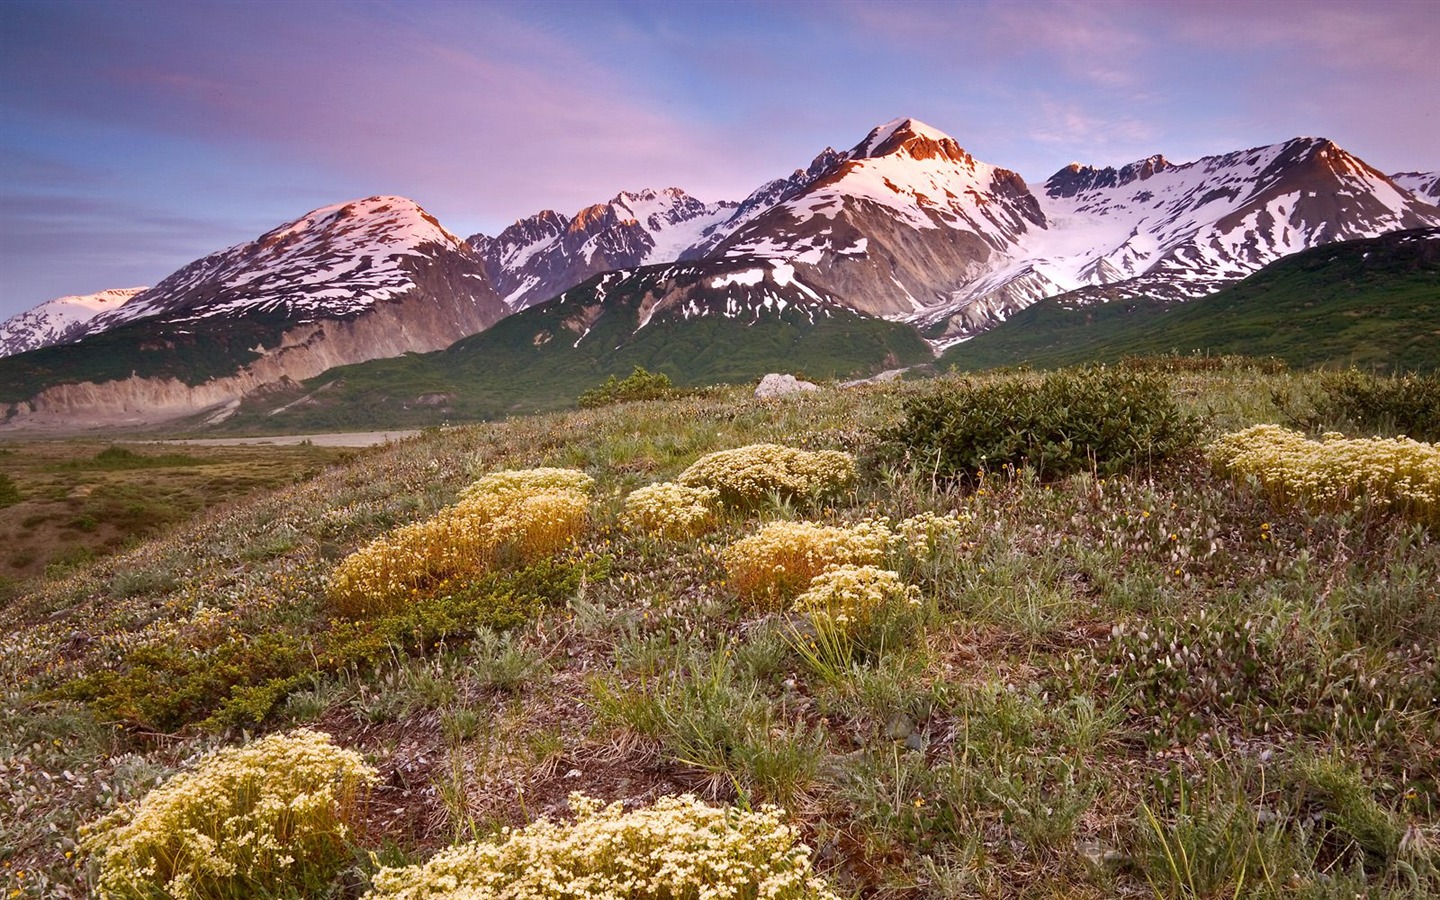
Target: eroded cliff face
{"type": "Point", "coordinates": [415, 323]}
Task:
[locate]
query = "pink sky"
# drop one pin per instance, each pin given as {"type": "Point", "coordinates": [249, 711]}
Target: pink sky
{"type": "Point", "coordinates": [138, 136]}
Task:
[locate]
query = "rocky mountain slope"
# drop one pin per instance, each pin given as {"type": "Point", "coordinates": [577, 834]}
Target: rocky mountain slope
{"type": "Point", "coordinates": [1425, 185]}
{"type": "Point", "coordinates": [346, 283]}
{"type": "Point", "coordinates": [1371, 303]}
{"type": "Point", "coordinates": [1175, 232]}
{"type": "Point", "coordinates": [699, 323]}
{"type": "Point", "coordinates": [548, 253]}
{"type": "Point", "coordinates": [58, 321]}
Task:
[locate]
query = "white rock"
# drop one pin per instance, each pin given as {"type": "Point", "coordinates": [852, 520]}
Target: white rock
{"type": "Point", "coordinates": [773, 385]}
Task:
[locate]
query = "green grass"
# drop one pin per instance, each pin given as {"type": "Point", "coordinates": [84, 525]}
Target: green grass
{"type": "Point", "coordinates": [537, 360]}
{"type": "Point", "coordinates": [1370, 304]}
{"type": "Point", "coordinates": [1150, 682]}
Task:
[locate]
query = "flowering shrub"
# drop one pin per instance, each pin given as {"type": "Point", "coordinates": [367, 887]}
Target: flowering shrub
{"type": "Point", "coordinates": [677, 849]}
{"type": "Point", "coordinates": [849, 595]}
{"type": "Point", "coordinates": [257, 820]}
{"type": "Point", "coordinates": [518, 516]}
{"type": "Point", "coordinates": [513, 483]}
{"type": "Point", "coordinates": [671, 510]}
{"type": "Point", "coordinates": [924, 534]}
{"type": "Point", "coordinates": [779, 560]}
{"type": "Point", "coordinates": [1398, 471]}
{"type": "Point", "coordinates": [747, 475]}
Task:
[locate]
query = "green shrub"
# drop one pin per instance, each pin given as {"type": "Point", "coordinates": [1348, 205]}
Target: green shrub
{"type": "Point", "coordinates": [1065, 422]}
{"type": "Point", "coordinates": [272, 818]}
{"type": "Point", "coordinates": [239, 681]}
{"type": "Point", "coordinates": [9, 493]}
{"type": "Point", "coordinates": [640, 385]}
{"type": "Point", "coordinates": [1355, 401]}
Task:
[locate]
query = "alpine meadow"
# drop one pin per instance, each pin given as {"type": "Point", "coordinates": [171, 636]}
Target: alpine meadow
{"type": "Point", "coordinates": [1127, 631]}
{"type": "Point", "coordinates": [622, 450]}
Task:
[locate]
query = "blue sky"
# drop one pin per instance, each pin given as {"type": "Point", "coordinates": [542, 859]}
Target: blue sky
{"type": "Point", "coordinates": [138, 136]}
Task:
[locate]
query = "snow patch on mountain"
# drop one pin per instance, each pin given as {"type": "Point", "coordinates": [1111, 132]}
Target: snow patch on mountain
{"type": "Point", "coordinates": [59, 321]}
{"type": "Point", "coordinates": [1425, 185]}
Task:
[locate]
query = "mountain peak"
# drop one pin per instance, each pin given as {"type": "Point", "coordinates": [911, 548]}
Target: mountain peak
{"type": "Point", "coordinates": [1076, 178]}
{"type": "Point", "coordinates": [389, 218]}
{"type": "Point", "coordinates": [912, 138]}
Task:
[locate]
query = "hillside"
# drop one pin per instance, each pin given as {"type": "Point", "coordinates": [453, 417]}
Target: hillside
{"type": "Point", "coordinates": [1083, 686]}
{"type": "Point", "coordinates": [1368, 303]}
{"type": "Point", "coordinates": [670, 319]}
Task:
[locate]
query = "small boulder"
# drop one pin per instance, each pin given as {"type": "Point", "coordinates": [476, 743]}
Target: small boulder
{"type": "Point", "coordinates": [774, 385]}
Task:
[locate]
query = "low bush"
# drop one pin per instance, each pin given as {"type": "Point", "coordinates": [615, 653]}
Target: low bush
{"type": "Point", "coordinates": [1408, 405]}
{"type": "Point", "coordinates": [1398, 472]}
{"type": "Point", "coordinates": [748, 475]}
{"type": "Point", "coordinates": [782, 558]}
{"type": "Point", "coordinates": [512, 483]}
{"type": "Point", "coordinates": [849, 595]}
{"type": "Point", "coordinates": [639, 385]}
{"type": "Point", "coordinates": [1065, 422]}
{"type": "Point", "coordinates": [271, 818]}
{"type": "Point", "coordinates": [512, 517]}
{"type": "Point", "coordinates": [677, 849]}
{"type": "Point", "coordinates": [9, 493]}
{"type": "Point", "coordinates": [670, 510]}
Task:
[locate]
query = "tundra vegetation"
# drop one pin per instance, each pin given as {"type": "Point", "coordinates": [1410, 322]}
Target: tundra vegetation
{"type": "Point", "coordinates": [1148, 632]}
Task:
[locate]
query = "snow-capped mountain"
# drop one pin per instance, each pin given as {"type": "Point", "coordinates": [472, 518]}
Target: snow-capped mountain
{"type": "Point", "coordinates": [746, 290]}
{"type": "Point", "coordinates": [906, 225]}
{"type": "Point", "coordinates": [356, 281]}
{"type": "Point", "coordinates": [1425, 185]}
{"type": "Point", "coordinates": [58, 321]}
{"type": "Point", "coordinates": [761, 200]}
{"type": "Point", "coordinates": [539, 257]}
{"type": "Point", "coordinates": [336, 262]}
{"type": "Point", "coordinates": [1174, 232]}
{"type": "Point", "coordinates": [896, 224]}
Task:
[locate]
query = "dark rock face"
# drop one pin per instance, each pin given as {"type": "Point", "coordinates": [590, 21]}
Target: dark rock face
{"type": "Point", "coordinates": [541, 256]}
{"type": "Point", "coordinates": [1075, 178]}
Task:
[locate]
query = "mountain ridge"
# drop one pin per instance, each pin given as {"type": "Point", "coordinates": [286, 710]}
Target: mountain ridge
{"type": "Point", "coordinates": [906, 225]}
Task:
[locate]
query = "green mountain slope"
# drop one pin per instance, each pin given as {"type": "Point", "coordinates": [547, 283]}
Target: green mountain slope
{"type": "Point", "coordinates": [1371, 303]}
{"type": "Point", "coordinates": [192, 352]}
{"type": "Point", "coordinates": [668, 319]}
